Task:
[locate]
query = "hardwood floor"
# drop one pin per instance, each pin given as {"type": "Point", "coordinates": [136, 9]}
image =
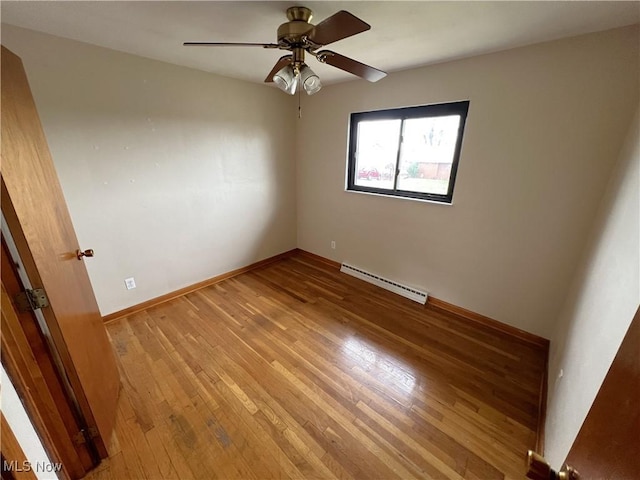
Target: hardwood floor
{"type": "Point", "coordinates": [295, 370]}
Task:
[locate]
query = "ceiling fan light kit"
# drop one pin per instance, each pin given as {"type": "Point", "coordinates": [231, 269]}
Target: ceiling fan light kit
{"type": "Point", "coordinates": [299, 37]}
{"type": "Point", "coordinates": [286, 80]}
{"type": "Point", "coordinates": [309, 80]}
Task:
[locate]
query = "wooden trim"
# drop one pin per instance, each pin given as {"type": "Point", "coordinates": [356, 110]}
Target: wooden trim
{"type": "Point", "coordinates": [48, 385]}
{"type": "Point", "coordinates": [324, 260]}
{"type": "Point", "coordinates": [432, 302]}
{"type": "Point", "coordinates": [542, 405]}
{"type": "Point", "coordinates": [471, 316]}
{"type": "Point", "coordinates": [459, 311]}
{"type": "Point", "coordinates": [514, 332]}
{"type": "Point", "coordinates": [488, 322]}
{"type": "Point", "coordinates": [32, 370]}
{"type": "Point", "coordinates": [12, 452]}
{"type": "Point", "coordinates": [196, 286]}
{"type": "Point", "coordinates": [324, 309]}
{"type": "Point", "coordinates": [19, 365]}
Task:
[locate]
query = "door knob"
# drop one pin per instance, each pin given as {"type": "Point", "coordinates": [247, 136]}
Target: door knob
{"type": "Point", "coordinates": [86, 253]}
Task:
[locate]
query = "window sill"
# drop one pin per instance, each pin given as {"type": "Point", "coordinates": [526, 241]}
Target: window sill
{"type": "Point", "coordinates": [398, 197]}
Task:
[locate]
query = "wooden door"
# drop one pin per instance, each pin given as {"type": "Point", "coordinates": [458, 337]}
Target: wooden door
{"type": "Point", "coordinates": [36, 213]}
{"type": "Point", "coordinates": [608, 444]}
{"type": "Point", "coordinates": [30, 363]}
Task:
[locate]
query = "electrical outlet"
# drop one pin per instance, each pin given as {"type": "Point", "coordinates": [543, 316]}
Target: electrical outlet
{"type": "Point", "coordinates": [130, 283]}
{"type": "Point", "coordinates": [333, 244]}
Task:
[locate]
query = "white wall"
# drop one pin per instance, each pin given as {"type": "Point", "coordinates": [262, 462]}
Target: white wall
{"type": "Point", "coordinates": [544, 128]}
{"type": "Point", "coordinates": [604, 297]}
{"type": "Point", "coordinates": [171, 175]}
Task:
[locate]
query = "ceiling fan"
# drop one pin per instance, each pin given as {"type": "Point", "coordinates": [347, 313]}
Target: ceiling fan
{"type": "Point", "coordinates": [299, 37]}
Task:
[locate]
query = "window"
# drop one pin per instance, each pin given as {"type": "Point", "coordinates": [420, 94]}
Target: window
{"type": "Point", "coordinates": [407, 152]}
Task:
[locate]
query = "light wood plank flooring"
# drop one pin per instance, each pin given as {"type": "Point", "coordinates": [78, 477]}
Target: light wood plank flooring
{"type": "Point", "coordinates": [298, 371]}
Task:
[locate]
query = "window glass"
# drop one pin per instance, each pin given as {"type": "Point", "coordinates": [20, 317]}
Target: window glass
{"type": "Point", "coordinates": [426, 156]}
{"type": "Point", "coordinates": [377, 153]}
{"type": "Point", "coordinates": [407, 152]}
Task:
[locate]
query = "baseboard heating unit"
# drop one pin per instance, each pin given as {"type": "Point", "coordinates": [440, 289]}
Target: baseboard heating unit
{"type": "Point", "coordinates": [395, 287]}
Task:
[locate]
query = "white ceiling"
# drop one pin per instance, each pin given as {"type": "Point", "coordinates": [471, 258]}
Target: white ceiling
{"type": "Point", "coordinates": [403, 34]}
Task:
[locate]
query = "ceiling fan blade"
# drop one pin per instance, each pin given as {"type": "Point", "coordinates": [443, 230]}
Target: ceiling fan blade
{"type": "Point", "coordinates": [230, 44]}
{"type": "Point", "coordinates": [280, 64]}
{"type": "Point", "coordinates": [349, 65]}
{"type": "Point", "coordinates": [338, 26]}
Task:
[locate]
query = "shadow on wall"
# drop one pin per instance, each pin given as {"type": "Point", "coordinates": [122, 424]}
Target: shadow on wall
{"type": "Point", "coordinates": [171, 175]}
{"type": "Point", "coordinates": [602, 302]}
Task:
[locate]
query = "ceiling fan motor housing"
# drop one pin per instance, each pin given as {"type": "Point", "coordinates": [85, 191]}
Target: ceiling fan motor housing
{"type": "Point", "coordinates": [291, 33]}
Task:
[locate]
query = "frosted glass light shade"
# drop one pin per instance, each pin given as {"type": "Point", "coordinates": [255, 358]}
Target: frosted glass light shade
{"type": "Point", "coordinates": [286, 80]}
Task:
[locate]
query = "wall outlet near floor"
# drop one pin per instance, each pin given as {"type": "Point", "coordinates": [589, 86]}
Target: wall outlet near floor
{"type": "Point", "coordinates": [333, 244]}
{"type": "Point", "coordinates": [130, 283]}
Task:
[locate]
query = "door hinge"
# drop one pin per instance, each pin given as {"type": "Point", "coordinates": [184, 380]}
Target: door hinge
{"type": "Point", "coordinates": [31, 300]}
{"type": "Point", "coordinates": [84, 435]}
{"type": "Point", "coordinates": [79, 438]}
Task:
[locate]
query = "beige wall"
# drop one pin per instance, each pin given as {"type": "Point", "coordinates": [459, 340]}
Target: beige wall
{"type": "Point", "coordinates": [603, 299]}
{"type": "Point", "coordinates": [171, 175]}
{"type": "Point", "coordinates": [543, 133]}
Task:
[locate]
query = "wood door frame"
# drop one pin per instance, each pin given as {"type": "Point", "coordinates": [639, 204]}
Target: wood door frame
{"type": "Point", "coordinates": [32, 273]}
{"type": "Point", "coordinates": [30, 365]}
{"type": "Point", "coordinates": [12, 452]}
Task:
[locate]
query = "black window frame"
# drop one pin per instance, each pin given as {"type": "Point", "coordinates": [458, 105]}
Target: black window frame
{"type": "Point", "coordinates": [435, 110]}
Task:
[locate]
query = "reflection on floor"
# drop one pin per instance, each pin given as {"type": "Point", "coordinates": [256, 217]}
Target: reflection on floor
{"type": "Point", "coordinates": [298, 371]}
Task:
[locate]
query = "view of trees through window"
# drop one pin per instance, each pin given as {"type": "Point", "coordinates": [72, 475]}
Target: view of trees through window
{"type": "Point", "coordinates": [415, 154]}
